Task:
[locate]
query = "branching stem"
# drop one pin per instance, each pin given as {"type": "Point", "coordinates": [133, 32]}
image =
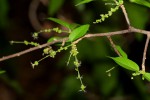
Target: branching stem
{"type": "Point", "coordinates": [31, 49]}
{"type": "Point", "coordinates": [108, 35]}
{"type": "Point", "coordinates": [132, 29]}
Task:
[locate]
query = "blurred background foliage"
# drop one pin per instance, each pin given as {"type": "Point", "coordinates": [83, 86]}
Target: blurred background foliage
{"type": "Point", "coordinates": [53, 79]}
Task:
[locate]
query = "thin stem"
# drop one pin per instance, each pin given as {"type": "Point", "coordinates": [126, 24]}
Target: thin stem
{"type": "Point", "coordinates": [110, 69]}
{"type": "Point", "coordinates": [31, 49]}
{"type": "Point", "coordinates": [43, 58]}
{"type": "Point", "coordinates": [131, 29]}
{"type": "Point", "coordinates": [107, 33]}
{"type": "Point", "coordinates": [125, 14]}
{"type": "Point", "coordinates": [13, 42]}
{"type": "Point", "coordinates": [144, 53]}
{"type": "Point", "coordinates": [113, 45]}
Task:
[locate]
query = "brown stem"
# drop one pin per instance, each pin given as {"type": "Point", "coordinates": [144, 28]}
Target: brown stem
{"type": "Point", "coordinates": [113, 45]}
{"type": "Point", "coordinates": [125, 14]}
{"type": "Point", "coordinates": [144, 53]}
{"type": "Point", "coordinates": [132, 29]}
{"type": "Point", "coordinates": [31, 49]}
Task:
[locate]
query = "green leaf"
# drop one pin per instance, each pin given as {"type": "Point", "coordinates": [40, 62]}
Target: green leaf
{"type": "Point", "coordinates": [146, 76]}
{"type": "Point", "coordinates": [2, 71]}
{"type": "Point", "coordinates": [53, 39]}
{"type": "Point", "coordinates": [141, 2]}
{"type": "Point", "coordinates": [126, 63]}
{"type": "Point", "coordinates": [73, 26]}
{"type": "Point", "coordinates": [123, 54]}
{"type": "Point", "coordinates": [61, 22]}
{"type": "Point", "coordinates": [78, 32]}
{"type": "Point", "coordinates": [54, 6]}
{"type": "Point", "coordinates": [83, 2]}
{"type": "Point", "coordinates": [120, 1]}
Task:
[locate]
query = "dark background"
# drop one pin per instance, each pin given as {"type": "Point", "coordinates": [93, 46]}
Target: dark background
{"type": "Point", "coordinates": [53, 79]}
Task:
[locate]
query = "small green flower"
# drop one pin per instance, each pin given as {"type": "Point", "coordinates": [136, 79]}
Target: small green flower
{"type": "Point", "coordinates": [36, 63]}
{"type": "Point", "coordinates": [34, 44]}
{"type": "Point", "coordinates": [60, 49]}
{"type": "Point", "coordinates": [132, 78]}
{"type": "Point", "coordinates": [77, 64]}
{"type": "Point", "coordinates": [11, 42]}
{"type": "Point", "coordinates": [143, 77]}
{"type": "Point", "coordinates": [120, 2]}
{"type": "Point", "coordinates": [104, 16]}
{"type": "Point", "coordinates": [74, 50]}
{"type": "Point", "coordinates": [52, 53]}
{"type": "Point", "coordinates": [57, 30]}
{"type": "Point", "coordinates": [46, 51]}
{"type": "Point", "coordinates": [47, 30]}
{"type": "Point", "coordinates": [79, 77]}
{"type": "Point", "coordinates": [109, 74]}
{"type": "Point", "coordinates": [35, 35]}
{"type": "Point", "coordinates": [83, 87]}
{"type": "Point", "coordinates": [26, 42]}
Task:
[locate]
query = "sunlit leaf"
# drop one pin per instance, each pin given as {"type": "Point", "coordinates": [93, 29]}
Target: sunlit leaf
{"type": "Point", "coordinates": [53, 39]}
{"type": "Point", "coordinates": [83, 2]}
{"type": "Point", "coordinates": [120, 0]}
{"type": "Point", "coordinates": [78, 32]}
{"type": "Point", "coordinates": [61, 22]}
{"type": "Point", "coordinates": [123, 54]}
{"type": "Point", "coordinates": [73, 26]}
{"type": "Point", "coordinates": [141, 2]}
{"type": "Point", "coordinates": [126, 63]}
{"type": "Point", "coordinates": [146, 76]}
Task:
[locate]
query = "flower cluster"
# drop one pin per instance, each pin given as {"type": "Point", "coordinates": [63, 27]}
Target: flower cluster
{"type": "Point", "coordinates": [112, 10]}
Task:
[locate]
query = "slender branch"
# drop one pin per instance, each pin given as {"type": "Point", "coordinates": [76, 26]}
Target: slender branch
{"type": "Point", "coordinates": [125, 14]}
{"type": "Point", "coordinates": [132, 29]}
{"type": "Point", "coordinates": [139, 31]}
{"type": "Point", "coordinates": [113, 45]}
{"type": "Point", "coordinates": [103, 34]}
{"type": "Point", "coordinates": [144, 53]}
{"type": "Point", "coordinates": [107, 33]}
{"type": "Point", "coordinates": [31, 49]}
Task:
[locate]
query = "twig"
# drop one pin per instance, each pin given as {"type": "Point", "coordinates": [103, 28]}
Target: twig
{"type": "Point", "coordinates": [132, 29]}
{"type": "Point", "coordinates": [125, 14]}
{"type": "Point", "coordinates": [107, 33]}
{"type": "Point", "coordinates": [31, 49]}
{"type": "Point", "coordinates": [144, 53]}
{"type": "Point", "coordinates": [113, 45]}
{"type": "Point", "coordinates": [139, 30]}
{"type": "Point", "coordinates": [103, 34]}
